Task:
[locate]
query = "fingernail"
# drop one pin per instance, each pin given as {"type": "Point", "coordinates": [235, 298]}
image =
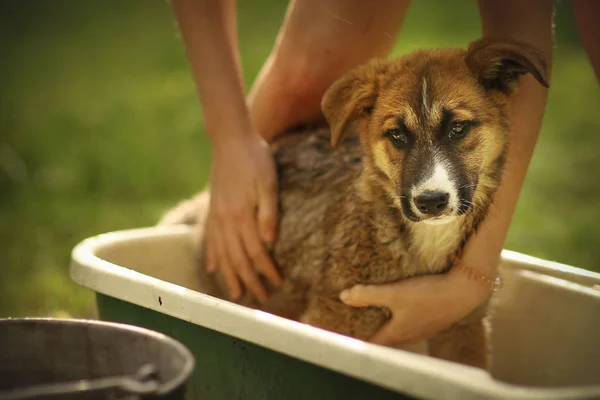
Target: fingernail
{"type": "Point", "coordinates": [344, 295]}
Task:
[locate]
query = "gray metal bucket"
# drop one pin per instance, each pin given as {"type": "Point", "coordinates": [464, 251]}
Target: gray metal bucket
{"type": "Point", "coordinates": [88, 359]}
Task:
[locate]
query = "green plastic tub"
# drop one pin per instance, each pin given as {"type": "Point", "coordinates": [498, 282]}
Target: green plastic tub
{"type": "Point", "coordinates": [546, 332]}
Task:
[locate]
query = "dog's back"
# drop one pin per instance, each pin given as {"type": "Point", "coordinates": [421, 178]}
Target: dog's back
{"type": "Point", "coordinates": [312, 176]}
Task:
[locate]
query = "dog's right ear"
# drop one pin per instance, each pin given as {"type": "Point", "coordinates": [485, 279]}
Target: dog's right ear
{"type": "Point", "coordinates": [353, 95]}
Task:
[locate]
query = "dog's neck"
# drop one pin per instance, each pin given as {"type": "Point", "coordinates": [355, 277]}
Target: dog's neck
{"type": "Point", "coordinates": [432, 247]}
{"type": "Point", "coordinates": [436, 246]}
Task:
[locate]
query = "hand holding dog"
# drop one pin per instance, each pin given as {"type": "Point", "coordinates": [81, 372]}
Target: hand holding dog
{"type": "Point", "coordinates": [444, 299]}
{"type": "Point", "coordinates": [243, 214]}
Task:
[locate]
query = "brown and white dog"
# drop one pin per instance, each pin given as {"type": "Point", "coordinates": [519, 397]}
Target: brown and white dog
{"type": "Point", "coordinates": [394, 189]}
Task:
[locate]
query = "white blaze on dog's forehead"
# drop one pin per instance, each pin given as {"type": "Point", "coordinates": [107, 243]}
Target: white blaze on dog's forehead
{"type": "Point", "coordinates": [424, 95]}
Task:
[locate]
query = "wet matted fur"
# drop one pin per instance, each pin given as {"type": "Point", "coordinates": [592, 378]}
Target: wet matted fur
{"type": "Point", "coordinates": [395, 187]}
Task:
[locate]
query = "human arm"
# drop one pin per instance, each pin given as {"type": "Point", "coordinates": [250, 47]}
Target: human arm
{"type": "Point", "coordinates": [243, 206]}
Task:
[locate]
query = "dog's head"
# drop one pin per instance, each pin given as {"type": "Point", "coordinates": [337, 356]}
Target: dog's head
{"type": "Point", "coordinates": [433, 124]}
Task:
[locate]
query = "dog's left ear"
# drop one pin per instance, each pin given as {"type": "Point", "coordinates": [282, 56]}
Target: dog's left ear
{"type": "Point", "coordinates": [498, 63]}
{"type": "Point", "coordinates": [352, 96]}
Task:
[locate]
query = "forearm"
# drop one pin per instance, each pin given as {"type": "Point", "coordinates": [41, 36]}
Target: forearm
{"type": "Point", "coordinates": [530, 22]}
{"type": "Point", "coordinates": [305, 62]}
{"type": "Point", "coordinates": [586, 17]}
{"type": "Point", "coordinates": [343, 33]}
{"type": "Point", "coordinates": [208, 29]}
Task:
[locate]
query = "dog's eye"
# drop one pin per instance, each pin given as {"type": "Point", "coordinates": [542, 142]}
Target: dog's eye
{"type": "Point", "coordinates": [398, 138]}
{"type": "Point", "coordinates": [458, 130]}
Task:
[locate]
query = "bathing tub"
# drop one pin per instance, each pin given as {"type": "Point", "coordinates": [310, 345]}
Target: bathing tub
{"type": "Point", "coordinates": [546, 331]}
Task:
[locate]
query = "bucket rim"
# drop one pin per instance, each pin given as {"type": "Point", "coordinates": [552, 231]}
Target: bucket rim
{"type": "Point", "coordinates": [179, 379]}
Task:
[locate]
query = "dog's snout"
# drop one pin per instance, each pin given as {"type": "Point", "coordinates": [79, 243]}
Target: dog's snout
{"type": "Point", "coordinates": [431, 203]}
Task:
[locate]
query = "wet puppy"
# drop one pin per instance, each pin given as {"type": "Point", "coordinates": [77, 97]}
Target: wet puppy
{"type": "Point", "coordinates": [394, 189]}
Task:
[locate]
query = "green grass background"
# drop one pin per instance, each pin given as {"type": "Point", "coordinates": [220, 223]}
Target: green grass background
{"type": "Point", "coordinates": [101, 129]}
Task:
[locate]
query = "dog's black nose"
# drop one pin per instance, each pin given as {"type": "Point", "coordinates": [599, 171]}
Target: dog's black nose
{"type": "Point", "coordinates": [431, 203]}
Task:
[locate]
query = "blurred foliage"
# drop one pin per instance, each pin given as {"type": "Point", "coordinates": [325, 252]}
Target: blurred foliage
{"type": "Point", "coordinates": [101, 129]}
